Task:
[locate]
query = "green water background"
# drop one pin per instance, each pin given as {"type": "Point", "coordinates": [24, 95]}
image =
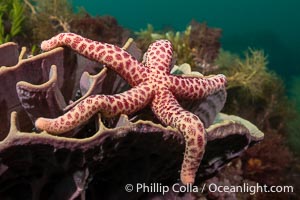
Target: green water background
{"type": "Point", "coordinates": [271, 25]}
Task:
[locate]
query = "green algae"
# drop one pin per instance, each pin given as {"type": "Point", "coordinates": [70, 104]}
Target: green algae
{"type": "Point", "coordinates": [11, 19]}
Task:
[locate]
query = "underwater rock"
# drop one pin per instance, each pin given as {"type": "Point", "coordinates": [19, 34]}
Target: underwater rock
{"type": "Point", "coordinates": [122, 150]}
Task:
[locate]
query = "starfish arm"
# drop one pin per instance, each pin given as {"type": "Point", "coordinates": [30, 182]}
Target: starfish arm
{"type": "Point", "coordinates": [159, 56]}
{"type": "Point", "coordinates": [109, 105]}
{"type": "Point", "coordinates": [196, 87]}
{"type": "Point", "coordinates": [169, 112]}
{"type": "Point", "coordinates": [112, 56]}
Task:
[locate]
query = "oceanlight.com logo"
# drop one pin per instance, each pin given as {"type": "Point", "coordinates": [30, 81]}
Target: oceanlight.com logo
{"type": "Point", "coordinates": [251, 189]}
{"type": "Point", "coordinates": [212, 187]}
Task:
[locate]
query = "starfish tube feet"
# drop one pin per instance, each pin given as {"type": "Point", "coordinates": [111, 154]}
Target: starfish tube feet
{"type": "Point", "coordinates": [109, 105]}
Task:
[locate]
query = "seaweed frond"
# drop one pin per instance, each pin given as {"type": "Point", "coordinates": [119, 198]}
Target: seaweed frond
{"type": "Point", "coordinates": [100, 28]}
{"type": "Point", "coordinates": [255, 92]}
{"type": "Point", "coordinates": [12, 14]}
{"type": "Point", "coordinates": [2, 32]}
{"type": "Point", "coordinates": [249, 73]}
{"type": "Point", "coordinates": [49, 17]}
{"type": "Point", "coordinates": [179, 40]}
{"type": "Point", "coordinates": [146, 36]}
{"type": "Point", "coordinates": [17, 17]}
{"type": "Point", "coordinates": [205, 42]}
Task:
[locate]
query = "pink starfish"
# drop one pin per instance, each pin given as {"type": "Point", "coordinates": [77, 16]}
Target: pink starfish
{"type": "Point", "coordinates": [151, 83]}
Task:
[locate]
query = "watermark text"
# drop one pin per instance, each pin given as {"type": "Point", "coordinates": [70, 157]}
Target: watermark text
{"type": "Point", "coordinates": [211, 187]}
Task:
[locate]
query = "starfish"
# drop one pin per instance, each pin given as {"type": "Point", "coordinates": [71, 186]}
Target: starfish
{"type": "Point", "coordinates": [152, 84]}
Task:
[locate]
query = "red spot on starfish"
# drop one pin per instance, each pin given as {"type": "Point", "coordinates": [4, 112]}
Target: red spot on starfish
{"type": "Point", "coordinates": [82, 47]}
{"type": "Point", "coordinates": [108, 58]}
